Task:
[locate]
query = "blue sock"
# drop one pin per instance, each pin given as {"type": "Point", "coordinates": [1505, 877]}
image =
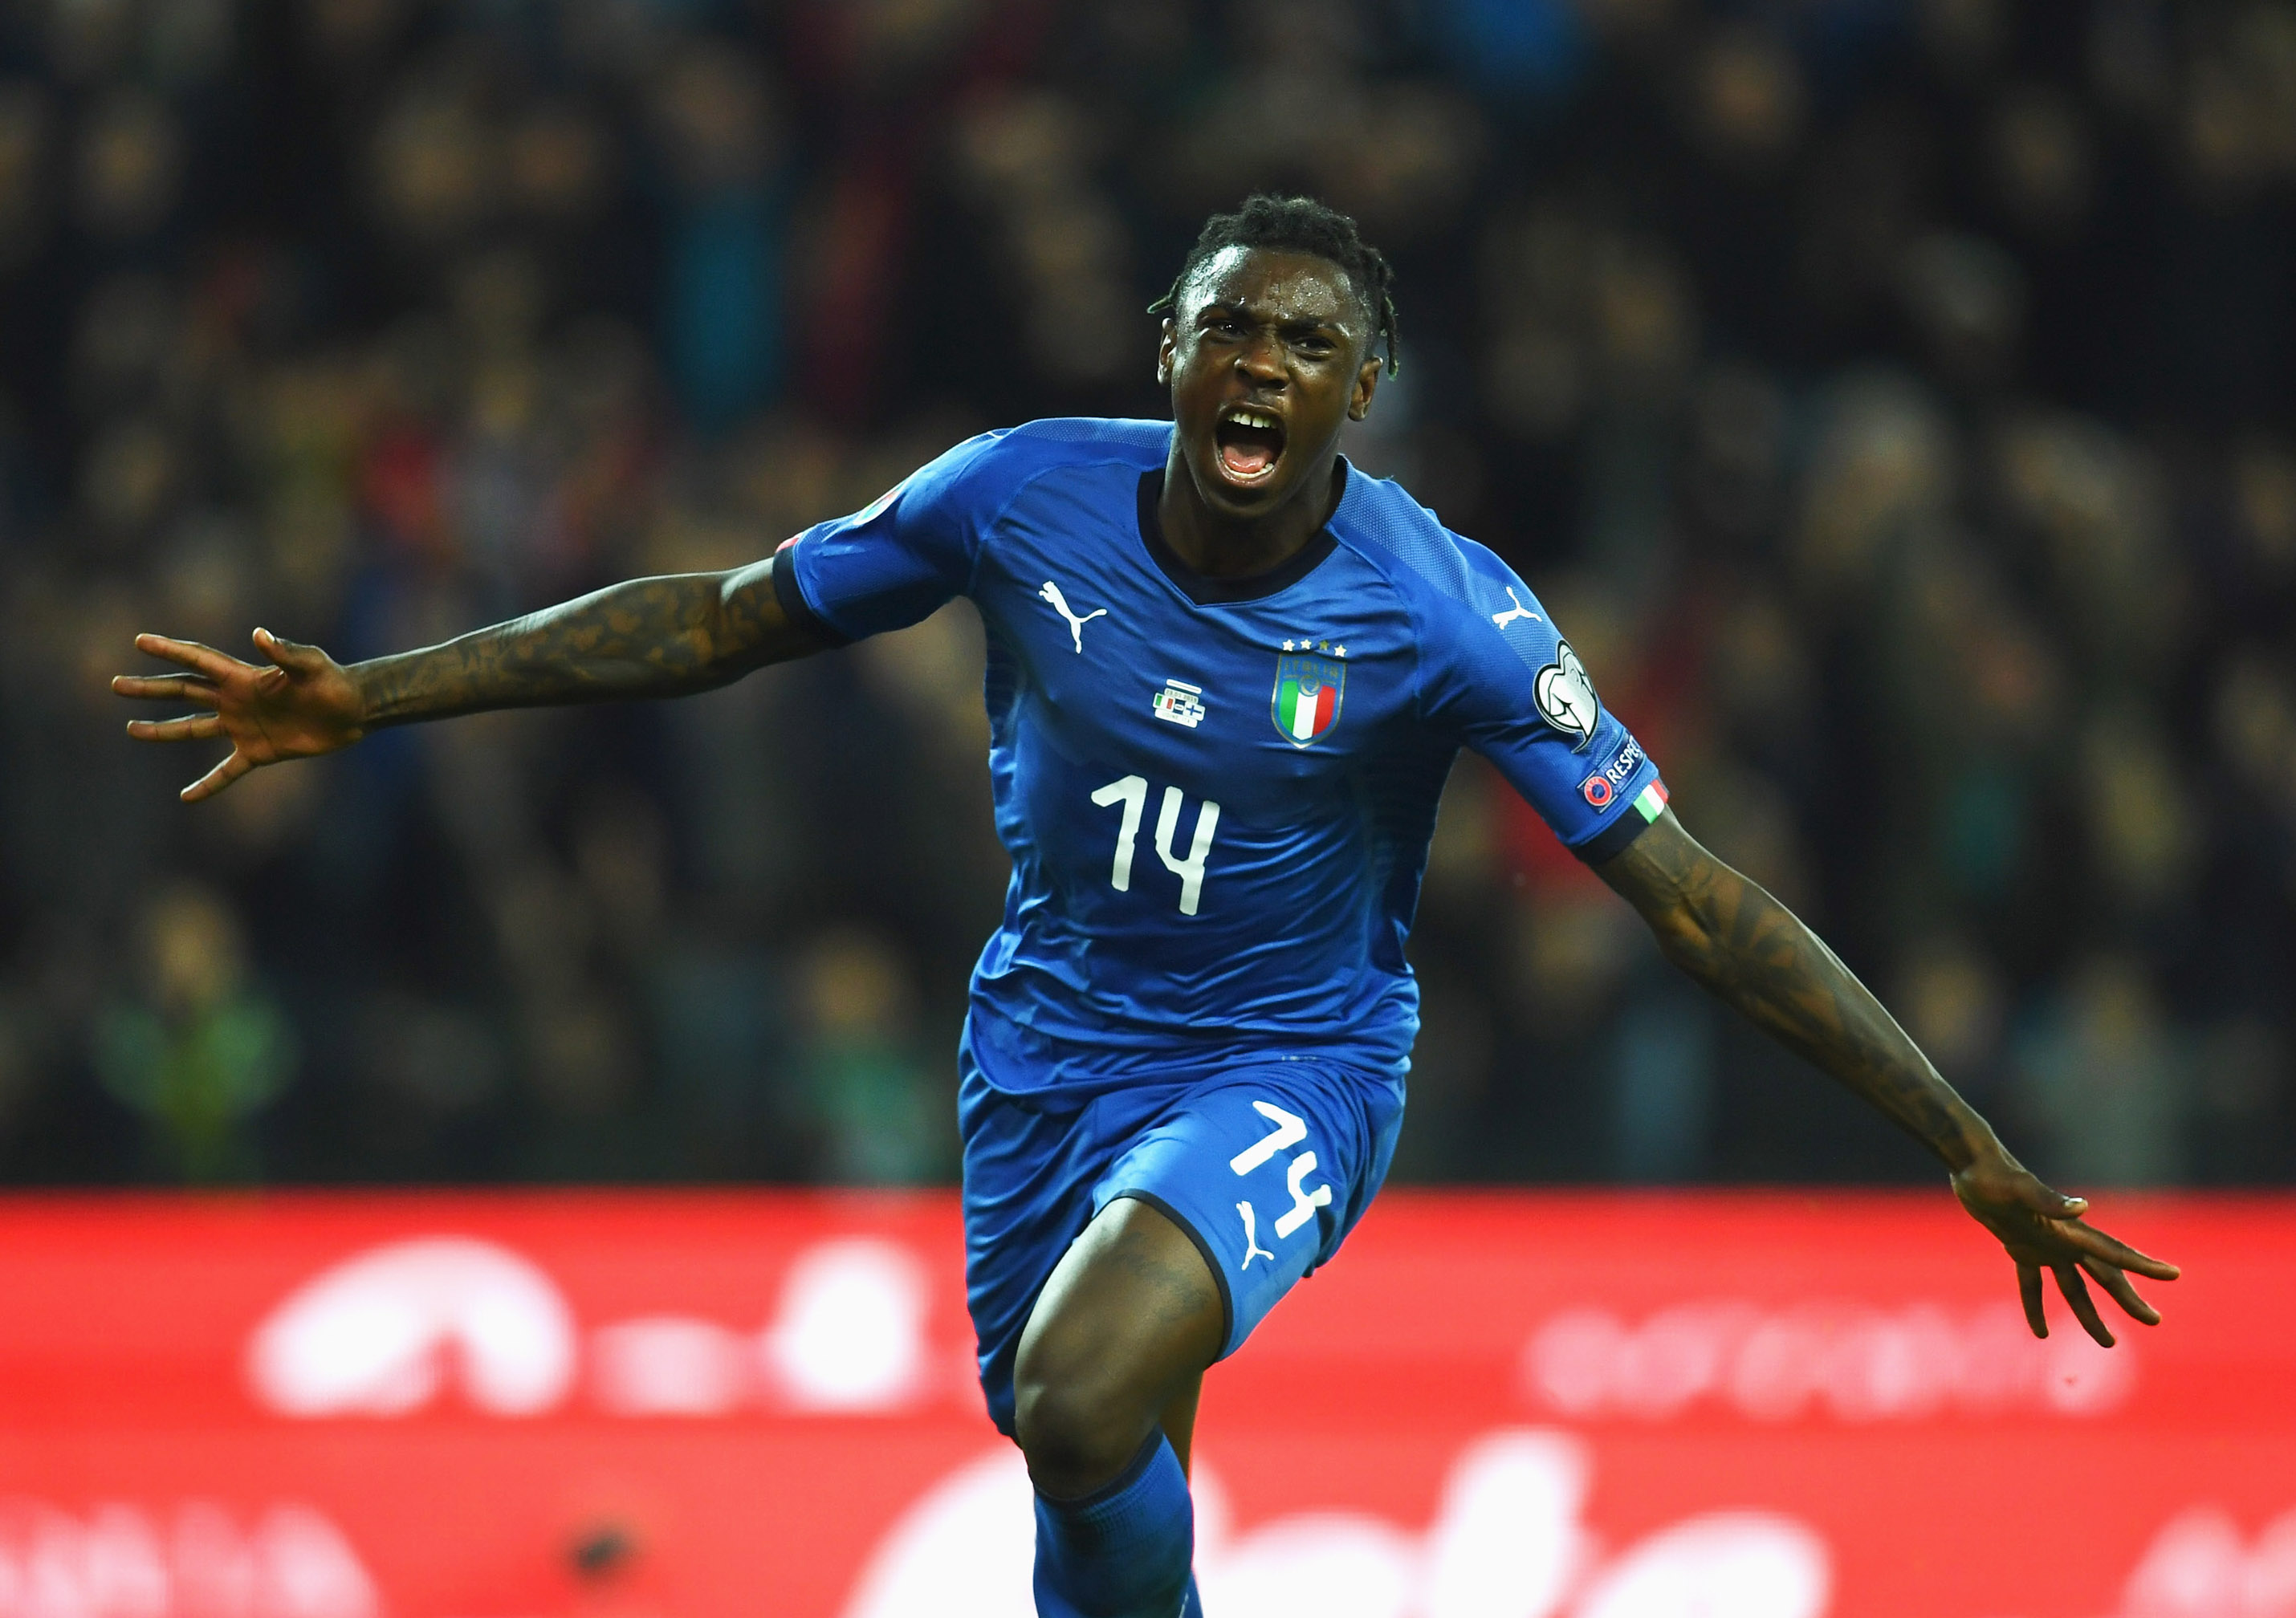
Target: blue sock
{"type": "Point", "coordinates": [1124, 1550]}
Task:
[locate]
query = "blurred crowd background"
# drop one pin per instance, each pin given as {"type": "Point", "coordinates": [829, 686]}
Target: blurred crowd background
{"type": "Point", "coordinates": [1895, 400]}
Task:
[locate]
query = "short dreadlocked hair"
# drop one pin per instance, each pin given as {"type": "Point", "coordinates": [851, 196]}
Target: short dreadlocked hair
{"type": "Point", "coordinates": [1298, 224]}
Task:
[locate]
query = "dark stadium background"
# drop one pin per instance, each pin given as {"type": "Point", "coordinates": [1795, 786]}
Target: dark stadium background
{"type": "Point", "coordinates": [1895, 402]}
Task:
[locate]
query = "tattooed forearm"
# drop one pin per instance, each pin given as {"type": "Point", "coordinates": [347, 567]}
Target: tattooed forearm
{"type": "Point", "coordinates": [1756, 954]}
{"type": "Point", "coordinates": [650, 637]}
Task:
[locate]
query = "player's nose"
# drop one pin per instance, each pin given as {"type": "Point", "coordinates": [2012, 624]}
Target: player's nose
{"type": "Point", "coordinates": [1261, 361]}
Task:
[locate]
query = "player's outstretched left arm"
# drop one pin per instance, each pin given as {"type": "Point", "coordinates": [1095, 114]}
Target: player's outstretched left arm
{"type": "Point", "coordinates": [1755, 953]}
{"type": "Point", "coordinates": [666, 636]}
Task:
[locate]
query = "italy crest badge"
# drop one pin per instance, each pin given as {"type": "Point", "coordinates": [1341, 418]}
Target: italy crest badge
{"type": "Point", "coordinates": [1307, 691]}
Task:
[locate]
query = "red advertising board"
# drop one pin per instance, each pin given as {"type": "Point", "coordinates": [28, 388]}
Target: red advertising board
{"type": "Point", "coordinates": [1490, 1406]}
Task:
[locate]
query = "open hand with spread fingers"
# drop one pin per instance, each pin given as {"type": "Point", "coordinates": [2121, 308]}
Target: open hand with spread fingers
{"type": "Point", "coordinates": [301, 704]}
{"type": "Point", "coordinates": [2043, 1229]}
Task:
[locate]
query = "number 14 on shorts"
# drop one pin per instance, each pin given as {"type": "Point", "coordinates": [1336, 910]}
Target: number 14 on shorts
{"type": "Point", "coordinates": [1289, 1131]}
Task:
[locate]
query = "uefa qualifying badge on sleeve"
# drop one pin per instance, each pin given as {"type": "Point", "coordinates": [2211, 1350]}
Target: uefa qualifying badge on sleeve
{"type": "Point", "coordinates": [1566, 697]}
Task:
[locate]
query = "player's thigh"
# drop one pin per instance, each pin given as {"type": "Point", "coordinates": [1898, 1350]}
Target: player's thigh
{"type": "Point", "coordinates": [1178, 1421]}
{"type": "Point", "coordinates": [1118, 1339]}
{"type": "Point", "coordinates": [1032, 1165]}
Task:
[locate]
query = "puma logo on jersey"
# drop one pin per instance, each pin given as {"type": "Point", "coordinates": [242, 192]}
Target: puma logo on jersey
{"type": "Point", "coordinates": [1251, 1247]}
{"type": "Point", "coordinates": [1517, 612]}
{"type": "Point", "coordinates": [1052, 592]}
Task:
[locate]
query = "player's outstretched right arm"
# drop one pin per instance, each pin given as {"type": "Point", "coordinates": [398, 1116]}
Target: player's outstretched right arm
{"type": "Point", "coordinates": [650, 637]}
{"type": "Point", "coordinates": [1754, 953]}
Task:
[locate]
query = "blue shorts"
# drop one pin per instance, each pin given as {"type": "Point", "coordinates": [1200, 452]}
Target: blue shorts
{"type": "Point", "coordinates": [1267, 1166]}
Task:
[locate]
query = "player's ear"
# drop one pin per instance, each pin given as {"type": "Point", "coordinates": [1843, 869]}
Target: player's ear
{"type": "Point", "coordinates": [1166, 346]}
{"type": "Point", "coordinates": [1366, 384]}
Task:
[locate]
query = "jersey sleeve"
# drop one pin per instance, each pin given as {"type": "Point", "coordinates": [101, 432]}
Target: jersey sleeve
{"type": "Point", "coordinates": [898, 559]}
{"type": "Point", "coordinates": [1498, 673]}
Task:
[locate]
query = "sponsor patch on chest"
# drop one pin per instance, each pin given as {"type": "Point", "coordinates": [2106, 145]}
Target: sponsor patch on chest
{"type": "Point", "coordinates": [1179, 703]}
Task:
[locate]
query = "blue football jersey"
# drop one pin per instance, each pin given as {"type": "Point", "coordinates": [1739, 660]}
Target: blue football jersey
{"type": "Point", "coordinates": [1217, 794]}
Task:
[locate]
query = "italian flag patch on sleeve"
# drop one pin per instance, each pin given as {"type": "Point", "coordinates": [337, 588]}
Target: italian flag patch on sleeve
{"type": "Point", "coordinates": [1651, 801]}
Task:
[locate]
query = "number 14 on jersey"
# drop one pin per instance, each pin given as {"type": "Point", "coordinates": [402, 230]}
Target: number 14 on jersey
{"type": "Point", "coordinates": [1132, 792]}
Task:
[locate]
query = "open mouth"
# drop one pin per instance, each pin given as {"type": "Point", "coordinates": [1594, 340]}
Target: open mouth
{"type": "Point", "coordinates": [1250, 442]}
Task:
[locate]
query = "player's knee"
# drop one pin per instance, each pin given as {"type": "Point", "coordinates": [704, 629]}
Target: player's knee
{"type": "Point", "coordinates": [1077, 1430]}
